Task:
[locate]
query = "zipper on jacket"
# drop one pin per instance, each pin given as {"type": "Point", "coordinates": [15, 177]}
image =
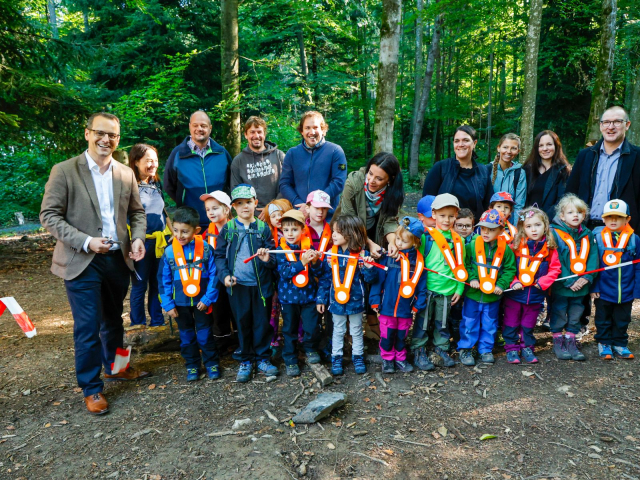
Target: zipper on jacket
{"type": "Point", "coordinates": [309, 176]}
{"type": "Point", "coordinates": [204, 176]}
{"type": "Point", "coordinates": [619, 285]}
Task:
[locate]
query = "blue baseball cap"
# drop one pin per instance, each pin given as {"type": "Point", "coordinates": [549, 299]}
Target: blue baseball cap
{"type": "Point", "coordinates": [413, 225]}
{"type": "Point", "coordinates": [491, 219]}
{"type": "Point", "coordinates": [502, 197]}
{"type": "Point", "coordinates": [424, 206]}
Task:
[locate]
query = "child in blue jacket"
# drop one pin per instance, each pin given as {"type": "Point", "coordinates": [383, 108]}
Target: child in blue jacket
{"type": "Point", "coordinates": [615, 289]}
{"type": "Point", "coordinates": [187, 289]}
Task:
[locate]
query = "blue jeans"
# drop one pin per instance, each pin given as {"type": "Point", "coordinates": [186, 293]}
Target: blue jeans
{"type": "Point", "coordinates": [479, 324]}
{"type": "Point", "coordinates": [565, 313]}
{"type": "Point", "coordinates": [196, 336]}
{"type": "Point", "coordinates": [147, 269]}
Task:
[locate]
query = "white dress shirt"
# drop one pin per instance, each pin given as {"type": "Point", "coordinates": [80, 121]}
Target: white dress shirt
{"type": "Point", "coordinates": [104, 190]}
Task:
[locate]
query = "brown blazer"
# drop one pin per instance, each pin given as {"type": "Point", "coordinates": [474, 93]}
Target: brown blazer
{"type": "Point", "coordinates": [70, 212]}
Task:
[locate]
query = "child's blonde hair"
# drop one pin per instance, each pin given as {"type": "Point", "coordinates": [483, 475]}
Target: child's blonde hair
{"type": "Point", "coordinates": [526, 214]}
{"type": "Point", "coordinates": [415, 241]}
{"type": "Point", "coordinates": [571, 199]}
{"type": "Point", "coordinates": [496, 160]}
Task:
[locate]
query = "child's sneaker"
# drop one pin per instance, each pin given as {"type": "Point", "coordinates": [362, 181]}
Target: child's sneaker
{"type": "Point", "coordinates": [513, 357]}
{"type": "Point", "coordinates": [293, 370]}
{"type": "Point", "coordinates": [466, 357]}
{"type": "Point", "coordinates": [313, 357]}
{"type": "Point", "coordinates": [572, 348]}
{"type": "Point", "coordinates": [388, 366]}
{"type": "Point", "coordinates": [336, 365]}
{"type": "Point", "coordinates": [623, 352]}
{"type": "Point", "coordinates": [244, 372]}
{"type": "Point", "coordinates": [447, 361]}
{"type": "Point", "coordinates": [528, 355]}
{"type": "Point", "coordinates": [559, 347]}
{"type": "Point", "coordinates": [192, 374]}
{"type": "Point", "coordinates": [358, 363]}
{"type": "Point", "coordinates": [404, 366]}
{"type": "Point", "coordinates": [605, 352]}
{"type": "Point", "coordinates": [421, 360]}
{"type": "Point", "coordinates": [269, 369]}
{"type": "Point", "coordinates": [214, 372]}
{"type": "Point", "coordinates": [487, 358]}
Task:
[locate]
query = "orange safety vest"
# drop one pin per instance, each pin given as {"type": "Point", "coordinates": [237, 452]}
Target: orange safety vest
{"type": "Point", "coordinates": [528, 265]}
{"type": "Point", "coordinates": [509, 233]}
{"type": "Point", "coordinates": [578, 259]}
{"type": "Point", "coordinates": [301, 279]}
{"type": "Point", "coordinates": [488, 279]}
{"type": "Point", "coordinates": [611, 256]}
{"type": "Point", "coordinates": [212, 235]}
{"type": "Point", "coordinates": [456, 264]}
{"type": "Point", "coordinates": [190, 281]}
{"type": "Point", "coordinates": [343, 290]}
{"type": "Point", "coordinates": [324, 240]}
{"type": "Point", "coordinates": [408, 284]}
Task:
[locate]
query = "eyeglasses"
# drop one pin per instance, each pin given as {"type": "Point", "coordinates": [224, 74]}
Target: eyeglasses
{"type": "Point", "coordinates": [101, 134]}
{"type": "Point", "coordinates": [615, 123]}
{"type": "Point", "coordinates": [462, 226]}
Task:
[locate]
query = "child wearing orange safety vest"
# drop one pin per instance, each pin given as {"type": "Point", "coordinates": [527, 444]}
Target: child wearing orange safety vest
{"type": "Point", "coordinates": [398, 293]}
{"type": "Point", "coordinates": [577, 254]}
{"type": "Point", "coordinates": [504, 203]}
{"type": "Point", "coordinates": [187, 288]}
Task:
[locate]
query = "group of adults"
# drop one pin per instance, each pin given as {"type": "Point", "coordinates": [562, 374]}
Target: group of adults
{"type": "Point", "coordinates": [109, 220]}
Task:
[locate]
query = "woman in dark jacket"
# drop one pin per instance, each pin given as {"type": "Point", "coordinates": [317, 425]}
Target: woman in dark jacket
{"type": "Point", "coordinates": [547, 171]}
{"type": "Point", "coordinates": [461, 175]}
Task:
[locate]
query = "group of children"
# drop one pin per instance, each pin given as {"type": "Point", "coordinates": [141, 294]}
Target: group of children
{"type": "Point", "coordinates": [453, 283]}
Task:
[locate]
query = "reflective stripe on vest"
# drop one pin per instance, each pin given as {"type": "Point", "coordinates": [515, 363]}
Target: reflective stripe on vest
{"type": "Point", "coordinates": [612, 254]}
{"type": "Point", "coordinates": [302, 278]}
{"type": "Point", "coordinates": [528, 265]}
{"type": "Point", "coordinates": [190, 282]}
{"type": "Point", "coordinates": [578, 259]}
{"type": "Point", "coordinates": [488, 279]}
{"type": "Point", "coordinates": [408, 284]}
{"type": "Point", "coordinates": [343, 290]}
{"type": "Point", "coordinates": [456, 264]}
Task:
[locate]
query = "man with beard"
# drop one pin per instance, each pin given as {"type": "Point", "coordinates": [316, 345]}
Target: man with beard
{"type": "Point", "coordinates": [259, 164]}
{"type": "Point", "coordinates": [315, 164]}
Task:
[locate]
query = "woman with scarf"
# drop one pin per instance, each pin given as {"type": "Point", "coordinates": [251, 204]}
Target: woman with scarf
{"type": "Point", "coordinates": [375, 194]}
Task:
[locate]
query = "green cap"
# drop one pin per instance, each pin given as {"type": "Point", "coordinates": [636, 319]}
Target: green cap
{"type": "Point", "coordinates": [243, 190]}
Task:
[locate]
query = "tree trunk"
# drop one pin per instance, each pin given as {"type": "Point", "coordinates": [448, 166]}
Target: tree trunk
{"type": "Point", "coordinates": [514, 77]}
{"type": "Point", "coordinates": [304, 67]}
{"type": "Point", "coordinates": [634, 130]}
{"type": "Point", "coordinates": [438, 152]}
{"type": "Point", "coordinates": [602, 82]}
{"type": "Point", "coordinates": [53, 19]}
{"type": "Point", "coordinates": [418, 117]}
{"type": "Point", "coordinates": [489, 104]}
{"type": "Point", "coordinates": [364, 96]}
{"type": "Point", "coordinates": [528, 118]}
{"type": "Point", "coordinates": [387, 75]}
{"type": "Point", "coordinates": [230, 75]}
{"type": "Point", "coordinates": [85, 17]}
{"type": "Point", "coordinates": [503, 86]}
{"type": "Point", "coordinates": [418, 64]}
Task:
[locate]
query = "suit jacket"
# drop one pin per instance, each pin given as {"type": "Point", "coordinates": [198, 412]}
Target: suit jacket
{"type": "Point", "coordinates": [70, 212]}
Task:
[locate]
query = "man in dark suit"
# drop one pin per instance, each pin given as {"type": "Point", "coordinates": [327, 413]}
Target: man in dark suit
{"type": "Point", "coordinates": [87, 202]}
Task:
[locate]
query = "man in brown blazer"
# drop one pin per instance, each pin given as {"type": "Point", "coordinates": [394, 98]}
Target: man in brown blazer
{"type": "Point", "coordinates": [87, 202]}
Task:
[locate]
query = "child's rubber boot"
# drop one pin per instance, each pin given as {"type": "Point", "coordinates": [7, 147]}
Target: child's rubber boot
{"type": "Point", "coordinates": [447, 361]}
{"type": "Point", "coordinates": [404, 366]}
{"type": "Point", "coordinates": [605, 351]}
{"type": "Point", "coordinates": [572, 348]}
{"type": "Point", "coordinates": [513, 357]}
{"type": "Point", "coordinates": [388, 366]}
{"type": "Point", "coordinates": [466, 357]}
{"type": "Point", "coordinates": [336, 365]}
{"type": "Point", "coordinates": [559, 347]}
{"type": "Point", "coordinates": [421, 360]}
{"type": "Point", "coordinates": [244, 372]}
{"type": "Point", "coordinates": [358, 363]}
{"type": "Point", "coordinates": [623, 352]}
{"type": "Point", "coordinates": [528, 355]}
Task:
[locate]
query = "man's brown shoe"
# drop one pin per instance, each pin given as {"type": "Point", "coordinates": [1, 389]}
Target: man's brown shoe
{"type": "Point", "coordinates": [96, 404]}
{"type": "Point", "coordinates": [127, 375]}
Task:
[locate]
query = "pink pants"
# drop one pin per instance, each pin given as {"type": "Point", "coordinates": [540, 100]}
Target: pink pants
{"type": "Point", "coordinates": [393, 332]}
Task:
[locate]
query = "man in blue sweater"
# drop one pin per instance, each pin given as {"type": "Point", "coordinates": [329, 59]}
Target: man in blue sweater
{"type": "Point", "coordinates": [197, 166]}
{"type": "Point", "coordinates": [315, 164]}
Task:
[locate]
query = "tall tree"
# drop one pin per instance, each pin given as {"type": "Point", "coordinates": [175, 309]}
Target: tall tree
{"type": "Point", "coordinates": [53, 18]}
{"type": "Point", "coordinates": [532, 47]}
{"type": "Point", "coordinates": [602, 82]}
{"type": "Point", "coordinates": [418, 60]}
{"type": "Point", "coordinates": [230, 75]}
{"type": "Point", "coordinates": [634, 113]}
{"type": "Point", "coordinates": [387, 76]}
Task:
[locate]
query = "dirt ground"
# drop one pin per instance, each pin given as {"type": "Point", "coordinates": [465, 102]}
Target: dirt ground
{"type": "Point", "coordinates": [560, 420]}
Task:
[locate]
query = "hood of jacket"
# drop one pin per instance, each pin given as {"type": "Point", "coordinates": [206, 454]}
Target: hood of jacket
{"type": "Point", "coordinates": [269, 147]}
{"type": "Point", "coordinates": [576, 233]}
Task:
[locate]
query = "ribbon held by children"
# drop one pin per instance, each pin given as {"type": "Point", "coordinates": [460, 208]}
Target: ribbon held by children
{"type": "Point", "coordinates": [21, 317]}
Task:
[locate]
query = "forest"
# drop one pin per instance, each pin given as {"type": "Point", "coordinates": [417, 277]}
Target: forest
{"type": "Point", "coordinates": [388, 75]}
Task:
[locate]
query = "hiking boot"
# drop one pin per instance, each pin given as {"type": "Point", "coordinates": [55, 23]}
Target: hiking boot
{"type": "Point", "coordinates": [388, 366]}
{"type": "Point", "coordinates": [605, 352]}
{"type": "Point", "coordinates": [269, 369]}
{"type": "Point", "coordinates": [447, 361]}
{"type": "Point", "coordinates": [358, 363]}
{"type": "Point", "coordinates": [192, 374]}
{"type": "Point", "coordinates": [528, 355]}
{"type": "Point", "coordinates": [466, 357]}
{"type": "Point", "coordinates": [559, 347]}
{"type": "Point", "coordinates": [487, 357]}
{"type": "Point", "coordinates": [336, 365]}
{"type": "Point", "coordinates": [421, 360]}
{"type": "Point", "coordinates": [623, 352]}
{"type": "Point", "coordinates": [404, 366]}
{"type": "Point", "coordinates": [214, 372]}
{"type": "Point", "coordinates": [513, 357]}
{"type": "Point", "coordinates": [313, 357]}
{"type": "Point", "coordinates": [572, 348]}
{"type": "Point", "coordinates": [293, 370]}
{"type": "Point", "coordinates": [244, 372]}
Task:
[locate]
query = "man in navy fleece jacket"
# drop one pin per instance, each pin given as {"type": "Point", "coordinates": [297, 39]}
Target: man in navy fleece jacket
{"type": "Point", "coordinates": [315, 164]}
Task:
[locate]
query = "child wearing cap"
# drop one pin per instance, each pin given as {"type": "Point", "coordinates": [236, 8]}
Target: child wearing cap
{"type": "Point", "coordinates": [398, 293]}
{"type": "Point", "coordinates": [491, 266]}
{"type": "Point", "coordinates": [217, 204]}
{"type": "Point", "coordinates": [425, 215]}
{"type": "Point", "coordinates": [577, 254]}
{"type": "Point", "coordinates": [444, 253]}
{"type": "Point", "coordinates": [504, 203]}
{"type": "Point", "coordinates": [297, 290]}
{"type": "Point", "coordinates": [615, 289]}
{"type": "Point", "coordinates": [249, 285]}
